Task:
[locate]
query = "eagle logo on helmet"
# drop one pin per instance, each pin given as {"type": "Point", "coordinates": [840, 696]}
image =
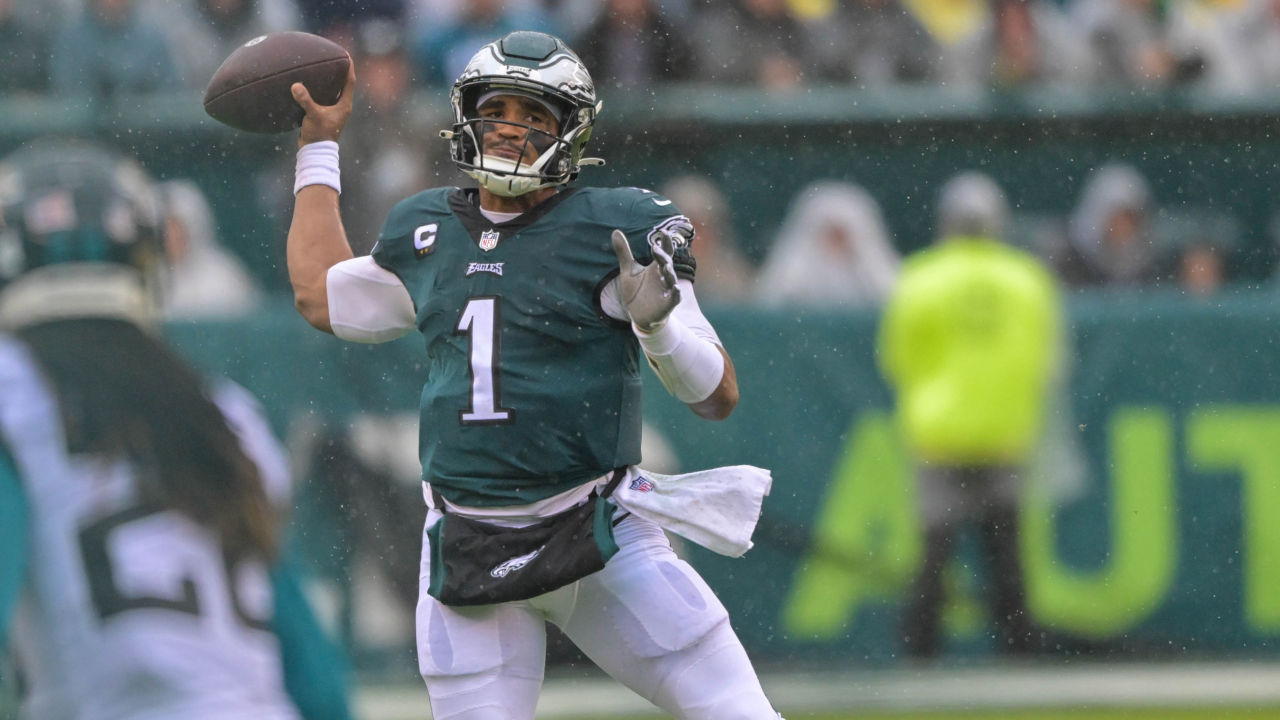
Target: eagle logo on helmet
{"type": "Point", "coordinates": [580, 81]}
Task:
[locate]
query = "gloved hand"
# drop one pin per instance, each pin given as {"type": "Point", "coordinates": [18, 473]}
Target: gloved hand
{"type": "Point", "coordinates": [649, 292]}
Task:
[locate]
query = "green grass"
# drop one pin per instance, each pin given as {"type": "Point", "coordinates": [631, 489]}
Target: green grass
{"type": "Point", "coordinates": [1105, 714]}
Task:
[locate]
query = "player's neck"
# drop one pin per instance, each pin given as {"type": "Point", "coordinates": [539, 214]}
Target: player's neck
{"type": "Point", "coordinates": [518, 204]}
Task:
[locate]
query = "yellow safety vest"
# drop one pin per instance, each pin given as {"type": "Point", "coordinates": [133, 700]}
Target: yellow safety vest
{"type": "Point", "coordinates": [969, 341]}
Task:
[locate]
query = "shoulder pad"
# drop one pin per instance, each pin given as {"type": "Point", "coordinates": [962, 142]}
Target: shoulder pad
{"type": "Point", "coordinates": [642, 215]}
{"type": "Point", "coordinates": [406, 212]}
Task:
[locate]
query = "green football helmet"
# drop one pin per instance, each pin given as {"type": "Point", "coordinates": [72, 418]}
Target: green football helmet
{"type": "Point", "coordinates": [80, 235]}
{"type": "Point", "coordinates": [536, 65]}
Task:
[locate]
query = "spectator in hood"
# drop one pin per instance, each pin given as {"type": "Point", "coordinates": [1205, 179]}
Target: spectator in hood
{"type": "Point", "coordinates": [202, 33]}
{"type": "Point", "coordinates": [111, 49]}
{"type": "Point", "coordinates": [724, 275]}
{"type": "Point", "coordinates": [833, 251]}
{"type": "Point", "coordinates": [969, 344]}
{"type": "Point", "coordinates": [205, 280]}
{"type": "Point", "coordinates": [1109, 238]}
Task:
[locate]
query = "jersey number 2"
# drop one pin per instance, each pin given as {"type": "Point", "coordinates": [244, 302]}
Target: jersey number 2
{"type": "Point", "coordinates": [480, 320]}
{"type": "Point", "coordinates": [109, 599]}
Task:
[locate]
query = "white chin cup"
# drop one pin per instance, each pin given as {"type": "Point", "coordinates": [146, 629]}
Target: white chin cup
{"type": "Point", "coordinates": [498, 176]}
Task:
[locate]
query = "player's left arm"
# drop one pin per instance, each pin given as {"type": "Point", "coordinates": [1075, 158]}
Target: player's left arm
{"type": "Point", "coordinates": [724, 398]}
{"type": "Point", "coordinates": [680, 344]}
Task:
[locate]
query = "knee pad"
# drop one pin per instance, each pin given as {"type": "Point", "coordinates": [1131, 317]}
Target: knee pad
{"type": "Point", "coordinates": [485, 696]}
{"type": "Point", "coordinates": [714, 680]}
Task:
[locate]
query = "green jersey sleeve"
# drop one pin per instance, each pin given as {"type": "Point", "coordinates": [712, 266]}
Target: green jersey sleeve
{"type": "Point", "coordinates": [410, 231]}
{"type": "Point", "coordinates": [648, 214]}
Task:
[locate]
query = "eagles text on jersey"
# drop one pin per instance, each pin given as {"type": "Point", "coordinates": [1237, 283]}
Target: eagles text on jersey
{"type": "Point", "coordinates": [532, 390]}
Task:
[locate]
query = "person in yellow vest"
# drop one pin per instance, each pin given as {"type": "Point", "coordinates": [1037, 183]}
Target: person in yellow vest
{"type": "Point", "coordinates": [969, 344]}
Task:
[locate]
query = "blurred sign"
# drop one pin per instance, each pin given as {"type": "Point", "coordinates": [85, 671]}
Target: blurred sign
{"type": "Point", "coordinates": [1165, 543]}
{"type": "Point", "coordinates": [1149, 531]}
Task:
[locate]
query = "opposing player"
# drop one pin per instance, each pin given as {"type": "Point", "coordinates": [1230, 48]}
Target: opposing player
{"type": "Point", "coordinates": [139, 506]}
{"type": "Point", "coordinates": [535, 300]}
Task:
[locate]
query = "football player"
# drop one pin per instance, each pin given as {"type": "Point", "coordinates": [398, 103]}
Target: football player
{"type": "Point", "coordinates": [139, 506]}
{"type": "Point", "coordinates": [535, 300]}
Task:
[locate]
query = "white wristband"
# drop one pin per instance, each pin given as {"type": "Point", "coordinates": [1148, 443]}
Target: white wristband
{"type": "Point", "coordinates": [689, 366]}
{"type": "Point", "coordinates": [317, 165]}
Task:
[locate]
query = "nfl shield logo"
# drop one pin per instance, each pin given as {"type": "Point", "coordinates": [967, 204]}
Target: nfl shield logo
{"type": "Point", "coordinates": [488, 240]}
{"type": "Point", "coordinates": [642, 484]}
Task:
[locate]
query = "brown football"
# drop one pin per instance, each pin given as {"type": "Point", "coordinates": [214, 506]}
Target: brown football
{"type": "Point", "coordinates": [250, 91]}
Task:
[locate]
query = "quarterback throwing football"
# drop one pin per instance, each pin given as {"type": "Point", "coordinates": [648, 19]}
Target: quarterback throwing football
{"type": "Point", "coordinates": [535, 300]}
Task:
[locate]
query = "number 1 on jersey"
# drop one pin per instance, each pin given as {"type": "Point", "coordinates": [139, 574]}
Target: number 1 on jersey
{"type": "Point", "coordinates": [480, 319]}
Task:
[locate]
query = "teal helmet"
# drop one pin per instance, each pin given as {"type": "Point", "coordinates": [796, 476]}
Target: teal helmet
{"type": "Point", "coordinates": [536, 65]}
{"type": "Point", "coordinates": [80, 235]}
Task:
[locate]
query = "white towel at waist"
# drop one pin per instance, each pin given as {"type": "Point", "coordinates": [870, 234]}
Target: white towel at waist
{"type": "Point", "coordinates": [717, 509]}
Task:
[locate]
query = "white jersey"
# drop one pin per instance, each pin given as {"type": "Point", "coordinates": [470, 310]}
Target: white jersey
{"type": "Point", "coordinates": [129, 612]}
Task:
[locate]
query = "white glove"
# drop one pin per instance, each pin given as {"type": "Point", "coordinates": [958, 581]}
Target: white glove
{"type": "Point", "coordinates": [648, 292]}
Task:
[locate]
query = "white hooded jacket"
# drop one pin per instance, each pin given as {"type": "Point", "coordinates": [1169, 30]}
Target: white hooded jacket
{"type": "Point", "coordinates": [833, 251]}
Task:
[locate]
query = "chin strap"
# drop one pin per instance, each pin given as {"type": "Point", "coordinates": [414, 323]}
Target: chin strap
{"type": "Point", "coordinates": [498, 176]}
{"type": "Point", "coordinates": [77, 290]}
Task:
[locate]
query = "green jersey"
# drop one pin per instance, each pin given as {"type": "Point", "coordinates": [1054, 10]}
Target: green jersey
{"type": "Point", "coordinates": [531, 389]}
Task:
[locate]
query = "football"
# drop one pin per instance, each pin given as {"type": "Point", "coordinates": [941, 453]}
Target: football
{"type": "Point", "coordinates": [250, 91]}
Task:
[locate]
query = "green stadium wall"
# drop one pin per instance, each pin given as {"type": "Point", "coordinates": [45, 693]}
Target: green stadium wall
{"type": "Point", "coordinates": [1162, 543]}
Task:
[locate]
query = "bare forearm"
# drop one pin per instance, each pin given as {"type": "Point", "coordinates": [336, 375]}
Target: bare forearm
{"type": "Point", "coordinates": [316, 243]}
{"type": "Point", "coordinates": [725, 397]}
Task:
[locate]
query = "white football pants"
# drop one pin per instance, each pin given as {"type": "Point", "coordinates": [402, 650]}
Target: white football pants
{"type": "Point", "coordinates": [647, 619]}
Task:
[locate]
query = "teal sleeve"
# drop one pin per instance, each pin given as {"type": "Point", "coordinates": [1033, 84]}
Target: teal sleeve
{"type": "Point", "coordinates": [13, 542]}
{"type": "Point", "coordinates": [650, 212]}
{"type": "Point", "coordinates": [315, 671]}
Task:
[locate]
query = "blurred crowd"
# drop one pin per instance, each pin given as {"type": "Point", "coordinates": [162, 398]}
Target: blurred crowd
{"type": "Point", "coordinates": [105, 46]}
{"type": "Point", "coordinates": [834, 248]}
